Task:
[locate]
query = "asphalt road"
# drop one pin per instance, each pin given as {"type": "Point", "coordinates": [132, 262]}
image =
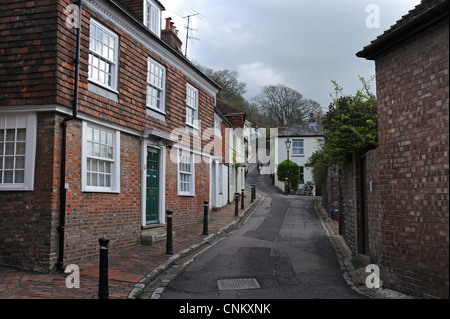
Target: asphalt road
{"type": "Point", "coordinates": [282, 251]}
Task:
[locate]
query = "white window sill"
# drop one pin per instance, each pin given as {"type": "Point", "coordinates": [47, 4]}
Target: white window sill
{"type": "Point", "coordinates": [156, 113]}
{"type": "Point", "coordinates": [100, 190]}
{"type": "Point", "coordinates": [103, 90]}
{"type": "Point", "coordinates": [186, 195]}
{"type": "Point", "coordinates": [15, 188]}
{"type": "Point", "coordinates": [192, 129]}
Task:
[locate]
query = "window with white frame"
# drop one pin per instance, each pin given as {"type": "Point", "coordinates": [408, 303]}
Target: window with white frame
{"type": "Point", "coordinates": [298, 147]}
{"type": "Point", "coordinates": [231, 175]}
{"type": "Point", "coordinates": [186, 177]}
{"type": "Point", "coordinates": [156, 82]}
{"type": "Point", "coordinates": [217, 127]}
{"type": "Point", "coordinates": [103, 55]}
{"type": "Point", "coordinates": [152, 17]}
{"type": "Point", "coordinates": [191, 106]}
{"type": "Point", "coordinates": [220, 178]}
{"type": "Point", "coordinates": [17, 151]}
{"type": "Point", "coordinates": [101, 159]}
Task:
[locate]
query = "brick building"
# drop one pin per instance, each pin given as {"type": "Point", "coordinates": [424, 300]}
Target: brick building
{"type": "Point", "coordinates": [105, 153]}
{"type": "Point", "coordinates": [220, 164]}
{"type": "Point", "coordinates": [234, 143]}
{"type": "Point", "coordinates": [405, 181]}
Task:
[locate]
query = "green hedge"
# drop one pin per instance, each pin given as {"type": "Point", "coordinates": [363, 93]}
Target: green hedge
{"type": "Point", "coordinates": [294, 173]}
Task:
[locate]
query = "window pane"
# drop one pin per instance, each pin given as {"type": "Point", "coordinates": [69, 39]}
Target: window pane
{"type": "Point", "coordinates": [89, 148]}
{"type": "Point", "coordinates": [20, 162]}
{"type": "Point", "coordinates": [8, 177]}
{"type": "Point", "coordinates": [99, 34]}
{"type": "Point", "coordinates": [9, 149]}
{"type": "Point", "coordinates": [97, 150]}
{"type": "Point", "coordinates": [101, 77]}
{"type": "Point", "coordinates": [10, 135]}
{"type": "Point", "coordinates": [96, 136]}
{"type": "Point", "coordinates": [111, 54]}
{"type": "Point", "coordinates": [19, 177]}
{"type": "Point", "coordinates": [112, 42]}
{"type": "Point", "coordinates": [109, 140]}
{"type": "Point", "coordinates": [20, 148]}
{"type": "Point", "coordinates": [101, 167]}
{"type": "Point", "coordinates": [21, 135]}
{"type": "Point", "coordinates": [110, 154]}
{"type": "Point", "coordinates": [101, 180]}
{"type": "Point", "coordinates": [94, 166]}
{"type": "Point", "coordinates": [103, 151]}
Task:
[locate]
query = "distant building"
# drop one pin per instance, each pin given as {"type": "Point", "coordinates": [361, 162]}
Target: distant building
{"type": "Point", "coordinates": [235, 142]}
{"type": "Point", "coordinates": [305, 140]}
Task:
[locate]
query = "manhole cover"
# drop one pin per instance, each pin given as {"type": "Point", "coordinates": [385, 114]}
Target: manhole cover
{"type": "Point", "coordinates": [232, 284]}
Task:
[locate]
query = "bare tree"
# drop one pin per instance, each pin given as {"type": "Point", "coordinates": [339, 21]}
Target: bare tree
{"type": "Point", "coordinates": [232, 88]}
{"type": "Point", "coordinates": [283, 106]}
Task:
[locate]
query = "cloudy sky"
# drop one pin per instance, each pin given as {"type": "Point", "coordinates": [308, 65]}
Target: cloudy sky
{"type": "Point", "coordinates": [300, 43]}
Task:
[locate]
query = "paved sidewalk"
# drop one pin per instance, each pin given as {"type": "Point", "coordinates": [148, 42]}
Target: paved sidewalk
{"type": "Point", "coordinates": [355, 277]}
{"type": "Point", "coordinates": [129, 270]}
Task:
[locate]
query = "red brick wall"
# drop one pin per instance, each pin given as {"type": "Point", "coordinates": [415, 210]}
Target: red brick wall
{"type": "Point", "coordinates": [413, 180]}
{"type": "Point", "coordinates": [348, 200]}
{"type": "Point", "coordinates": [187, 210]}
{"type": "Point", "coordinates": [38, 69]}
{"type": "Point", "coordinates": [330, 192]}
{"type": "Point", "coordinates": [90, 216]}
{"type": "Point", "coordinates": [374, 212]}
{"type": "Point", "coordinates": [28, 32]}
{"type": "Point", "coordinates": [28, 219]}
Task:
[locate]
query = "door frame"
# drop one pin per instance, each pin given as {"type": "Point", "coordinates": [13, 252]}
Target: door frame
{"type": "Point", "coordinates": [150, 143]}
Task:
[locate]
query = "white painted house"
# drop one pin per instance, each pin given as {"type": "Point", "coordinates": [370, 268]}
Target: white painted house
{"type": "Point", "coordinates": [305, 140]}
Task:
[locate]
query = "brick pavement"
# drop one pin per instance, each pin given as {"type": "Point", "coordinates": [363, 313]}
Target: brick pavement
{"type": "Point", "coordinates": [126, 268]}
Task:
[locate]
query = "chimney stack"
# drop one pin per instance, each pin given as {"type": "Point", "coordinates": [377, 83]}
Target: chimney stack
{"type": "Point", "coordinates": [168, 23]}
{"type": "Point", "coordinates": [170, 36]}
{"type": "Point", "coordinates": [312, 120]}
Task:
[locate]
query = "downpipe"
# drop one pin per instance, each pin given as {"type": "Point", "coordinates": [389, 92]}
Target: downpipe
{"type": "Point", "coordinates": [63, 124]}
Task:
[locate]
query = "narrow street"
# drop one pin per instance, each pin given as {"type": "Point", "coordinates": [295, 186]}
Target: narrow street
{"type": "Point", "coordinates": [281, 252]}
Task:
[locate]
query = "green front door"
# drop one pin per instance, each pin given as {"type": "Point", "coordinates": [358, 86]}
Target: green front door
{"type": "Point", "coordinates": [152, 210]}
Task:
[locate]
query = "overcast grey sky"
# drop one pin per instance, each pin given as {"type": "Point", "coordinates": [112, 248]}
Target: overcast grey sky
{"type": "Point", "coordinates": [300, 43]}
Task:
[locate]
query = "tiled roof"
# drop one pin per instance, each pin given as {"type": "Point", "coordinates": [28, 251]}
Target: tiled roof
{"type": "Point", "coordinates": [416, 20]}
{"type": "Point", "coordinates": [227, 109]}
{"type": "Point", "coordinates": [301, 130]}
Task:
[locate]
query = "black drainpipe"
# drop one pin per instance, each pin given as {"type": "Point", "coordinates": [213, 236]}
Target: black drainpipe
{"type": "Point", "coordinates": [62, 186]}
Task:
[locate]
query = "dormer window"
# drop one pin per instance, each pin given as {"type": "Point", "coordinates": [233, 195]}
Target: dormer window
{"type": "Point", "coordinates": [152, 17]}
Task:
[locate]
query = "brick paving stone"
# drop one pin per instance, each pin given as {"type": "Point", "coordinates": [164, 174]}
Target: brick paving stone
{"type": "Point", "coordinates": [126, 267]}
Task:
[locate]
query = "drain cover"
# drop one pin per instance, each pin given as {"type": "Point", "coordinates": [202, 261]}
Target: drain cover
{"type": "Point", "coordinates": [232, 284]}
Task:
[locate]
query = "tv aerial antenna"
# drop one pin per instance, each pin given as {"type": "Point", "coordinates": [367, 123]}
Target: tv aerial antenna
{"type": "Point", "coordinates": [191, 14]}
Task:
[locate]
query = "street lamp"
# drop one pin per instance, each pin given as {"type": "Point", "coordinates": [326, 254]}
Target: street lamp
{"type": "Point", "coordinates": [256, 150]}
{"type": "Point", "coordinates": [288, 186]}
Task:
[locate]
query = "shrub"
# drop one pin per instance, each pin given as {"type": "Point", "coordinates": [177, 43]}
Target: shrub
{"type": "Point", "coordinates": [294, 173]}
{"type": "Point", "coordinates": [350, 124]}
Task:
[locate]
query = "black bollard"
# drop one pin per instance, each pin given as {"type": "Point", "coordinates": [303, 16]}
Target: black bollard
{"type": "Point", "coordinates": [205, 218]}
{"type": "Point", "coordinates": [169, 246]}
{"type": "Point", "coordinates": [103, 290]}
{"type": "Point", "coordinates": [253, 192]}
{"type": "Point", "coordinates": [242, 199]}
{"type": "Point", "coordinates": [236, 202]}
